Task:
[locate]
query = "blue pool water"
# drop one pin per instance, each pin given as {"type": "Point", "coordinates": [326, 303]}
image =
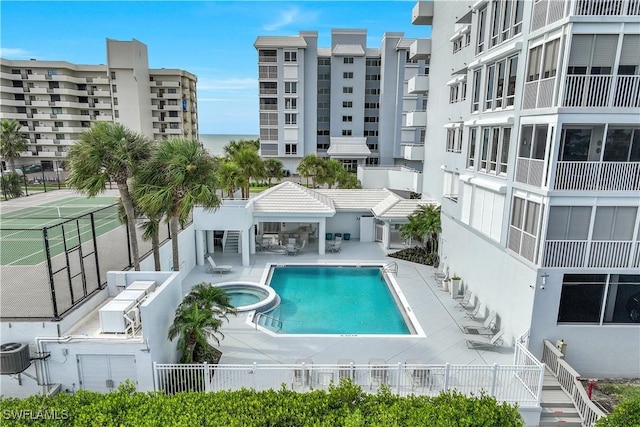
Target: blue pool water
{"type": "Point", "coordinates": [335, 300]}
{"type": "Point", "coordinates": [239, 298]}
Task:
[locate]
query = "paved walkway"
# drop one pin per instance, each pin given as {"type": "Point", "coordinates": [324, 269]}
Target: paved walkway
{"type": "Point", "coordinates": [436, 312]}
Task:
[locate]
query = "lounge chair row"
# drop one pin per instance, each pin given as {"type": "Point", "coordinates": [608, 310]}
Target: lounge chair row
{"type": "Point", "coordinates": [479, 333]}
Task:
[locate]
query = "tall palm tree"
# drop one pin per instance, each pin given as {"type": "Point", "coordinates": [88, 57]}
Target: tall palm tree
{"type": "Point", "coordinates": [193, 326]}
{"type": "Point", "coordinates": [309, 167]}
{"type": "Point", "coordinates": [329, 172]}
{"type": "Point", "coordinates": [230, 176]}
{"type": "Point", "coordinates": [423, 226]}
{"type": "Point", "coordinates": [348, 179]}
{"type": "Point", "coordinates": [274, 169]}
{"type": "Point", "coordinates": [206, 296]}
{"type": "Point", "coordinates": [179, 176]}
{"type": "Point", "coordinates": [234, 147]}
{"type": "Point", "coordinates": [109, 152]}
{"type": "Point", "coordinates": [12, 143]}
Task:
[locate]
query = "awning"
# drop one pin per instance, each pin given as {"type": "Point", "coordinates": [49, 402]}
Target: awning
{"type": "Point", "coordinates": [348, 148]}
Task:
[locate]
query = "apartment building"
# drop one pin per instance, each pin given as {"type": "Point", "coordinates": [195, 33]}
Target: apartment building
{"type": "Point", "coordinates": [536, 161]}
{"type": "Point", "coordinates": [56, 101]}
{"type": "Point", "coordinates": [347, 102]}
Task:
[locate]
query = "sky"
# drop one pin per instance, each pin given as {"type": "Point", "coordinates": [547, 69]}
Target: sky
{"type": "Point", "coordinates": [211, 39]}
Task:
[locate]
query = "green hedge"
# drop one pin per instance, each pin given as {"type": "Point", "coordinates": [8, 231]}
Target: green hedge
{"type": "Point", "coordinates": [343, 405]}
{"type": "Point", "coordinates": [625, 414]}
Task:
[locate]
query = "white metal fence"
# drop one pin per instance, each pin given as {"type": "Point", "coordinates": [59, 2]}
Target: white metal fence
{"type": "Point", "coordinates": [520, 384]}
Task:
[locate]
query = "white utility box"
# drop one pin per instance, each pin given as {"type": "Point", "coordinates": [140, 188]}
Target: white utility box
{"type": "Point", "coordinates": [142, 285]}
{"type": "Point", "coordinates": [112, 316]}
{"type": "Point", "coordinates": [130, 295]}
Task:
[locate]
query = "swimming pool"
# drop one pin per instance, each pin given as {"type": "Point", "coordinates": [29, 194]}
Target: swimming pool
{"type": "Point", "coordinates": [336, 300]}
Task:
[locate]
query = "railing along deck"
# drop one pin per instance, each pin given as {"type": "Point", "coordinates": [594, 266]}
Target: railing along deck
{"type": "Point", "coordinates": [519, 384]}
{"type": "Point", "coordinates": [569, 381]}
{"type": "Point", "coordinates": [597, 176]}
{"type": "Point", "coordinates": [591, 254]}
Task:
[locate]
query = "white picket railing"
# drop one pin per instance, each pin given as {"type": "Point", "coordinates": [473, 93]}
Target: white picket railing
{"type": "Point", "coordinates": [595, 90]}
{"type": "Point", "coordinates": [607, 7]}
{"type": "Point", "coordinates": [597, 176]}
{"type": "Point", "coordinates": [590, 254]}
{"type": "Point", "coordinates": [532, 380]}
{"type": "Point", "coordinates": [521, 384]}
{"type": "Point", "coordinates": [569, 381]}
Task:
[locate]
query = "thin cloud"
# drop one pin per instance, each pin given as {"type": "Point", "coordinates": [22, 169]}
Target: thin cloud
{"type": "Point", "coordinates": [227, 84]}
{"type": "Point", "coordinates": [289, 16]}
{"type": "Point", "coordinates": [13, 52]}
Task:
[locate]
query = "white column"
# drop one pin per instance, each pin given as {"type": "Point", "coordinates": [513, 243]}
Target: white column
{"type": "Point", "coordinates": [244, 235]}
{"type": "Point", "coordinates": [210, 242]}
{"type": "Point", "coordinates": [252, 240]}
{"type": "Point", "coordinates": [322, 229]}
{"type": "Point", "coordinates": [199, 247]}
{"type": "Point", "coordinates": [386, 235]}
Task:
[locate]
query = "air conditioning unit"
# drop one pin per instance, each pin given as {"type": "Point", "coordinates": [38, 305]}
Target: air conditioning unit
{"type": "Point", "coordinates": [14, 358]}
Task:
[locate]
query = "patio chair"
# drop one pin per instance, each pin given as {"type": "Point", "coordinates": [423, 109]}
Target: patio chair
{"type": "Point", "coordinates": [466, 300]}
{"type": "Point", "coordinates": [378, 372]}
{"type": "Point", "coordinates": [291, 249]}
{"type": "Point", "coordinates": [475, 311]}
{"type": "Point", "coordinates": [213, 268]}
{"type": "Point", "coordinates": [346, 369]}
{"type": "Point", "coordinates": [483, 328]}
{"type": "Point", "coordinates": [476, 341]}
{"type": "Point", "coordinates": [302, 375]}
{"type": "Point", "coordinates": [336, 246]}
{"type": "Point", "coordinates": [420, 376]}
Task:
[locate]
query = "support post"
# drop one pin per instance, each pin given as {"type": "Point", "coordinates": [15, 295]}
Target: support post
{"type": "Point", "coordinates": [322, 230]}
{"type": "Point", "coordinates": [199, 247]}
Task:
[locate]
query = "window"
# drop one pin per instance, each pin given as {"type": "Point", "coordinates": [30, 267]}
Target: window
{"type": "Point", "coordinates": [324, 76]}
{"type": "Point", "coordinates": [372, 77]}
{"type": "Point", "coordinates": [56, 110]}
{"type": "Point", "coordinates": [347, 89]}
{"type": "Point", "coordinates": [113, 75]}
{"type": "Point", "coordinates": [373, 62]}
{"type": "Point", "coordinates": [268, 119]}
{"type": "Point", "coordinates": [268, 72]}
{"type": "Point", "coordinates": [58, 124]}
{"type": "Point", "coordinates": [533, 141]}
{"type": "Point", "coordinates": [323, 132]}
{"type": "Point", "coordinates": [575, 144]}
{"type": "Point", "coordinates": [268, 103]}
{"type": "Point", "coordinates": [174, 126]}
{"type": "Point", "coordinates": [511, 84]}
{"type": "Point", "coordinates": [291, 103]}
{"type": "Point", "coordinates": [372, 161]}
{"type": "Point", "coordinates": [346, 132]}
{"type": "Point", "coordinates": [268, 88]}
{"type": "Point", "coordinates": [52, 72]}
{"type": "Point", "coordinates": [115, 101]}
{"type": "Point", "coordinates": [291, 149]}
{"type": "Point", "coordinates": [592, 54]}
{"type": "Point", "coordinates": [323, 119]}
{"type": "Point", "coordinates": [504, 151]}
{"type": "Point", "coordinates": [486, 133]}
{"type": "Point", "coordinates": [614, 223]}
{"type": "Point", "coordinates": [347, 118]}
{"type": "Point", "coordinates": [172, 102]}
{"type": "Point", "coordinates": [324, 61]}
{"type": "Point", "coordinates": [270, 55]}
{"type": "Point", "coordinates": [290, 56]}
{"type": "Point", "coordinates": [622, 145]}
{"type": "Point", "coordinates": [568, 222]}
{"type": "Point", "coordinates": [472, 147]}
{"type": "Point", "coordinates": [371, 119]}
{"type": "Point", "coordinates": [475, 105]}
{"type": "Point", "coordinates": [290, 87]}
{"type": "Point", "coordinates": [482, 16]}
{"type": "Point", "coordinates": [59, 135]}
{"type": "Point", "coordinates": [84, 112]}
{"type": "Point", "coordinates": [370, 133]}
{"type": "Point", "coordinates": [581, 298]}
{"type": "Point", "coordinates": [347, 104]}
{"type": "Point", "coordinates": [173, 114]}
{"type": "Point", "coordinates": [15, 71]}
{"type": "Point", "coordinates": [525, 216]}
{"type": "Point", "coordinates": [372, 146]}
{"type": "Point", "coordinates": [172, 90]}
{"type": "Point", "coordinates": [114, 89]}
{"type": "Point", "coordinates": [322, 145]}
{"type": "Point", "coordinates": [371, 105]}
{"type": "Point", "coordinates": [372, 91]}
{"type": "Point", "coordinates": [454, 140]}
{"type": "Point", "coordinates": [323, 104]}
{"type": "Point", "coordinates": [489, 93]}
{"type": "Point", "coordinates": [347, 75]}
{"type": "Point", "coordinates": [290, 119]}
{"type": "Point", "coordinates": [269, 134]}
{"type": "Point", "coordinates": [453, 94]}
{"type": "Point", "coordinates": [495, 23]}
{"type": "Point", "coordinates": [347, 60]}
{"type": "Point", "coordinates": [323, 91]}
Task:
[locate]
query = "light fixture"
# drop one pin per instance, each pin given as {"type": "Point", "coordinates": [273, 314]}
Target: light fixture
{"type": "Point", "coordinates": [544, 280]}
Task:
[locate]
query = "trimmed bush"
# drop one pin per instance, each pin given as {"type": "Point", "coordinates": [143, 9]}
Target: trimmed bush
{"type": "Point", "coordinates": [626, 413]}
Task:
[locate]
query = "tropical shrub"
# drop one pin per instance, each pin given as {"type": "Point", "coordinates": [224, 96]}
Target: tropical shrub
{"type": "Point", "coordinates": [343, 405]}
{"type": "Point", "coordinates": [11, 185]}
{"type": "Point", "coordinates": [626, 413]}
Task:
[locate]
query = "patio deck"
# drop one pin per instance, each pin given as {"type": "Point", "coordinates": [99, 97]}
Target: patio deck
{"type": "Point", "coordinates": [436, 312]}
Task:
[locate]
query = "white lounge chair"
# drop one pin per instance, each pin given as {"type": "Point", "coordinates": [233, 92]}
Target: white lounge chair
{"type": "Point", "coordinates": [346, 369]}
{"type": "Point", "coordinates": [486, 327]}
{"type": "Point", "coordinates": [213, 268]}
{"type": "Point", "coordinates": [336, 246]}
{"type": "Point", "coordinates": [466, 300]}
{"type": "Point", "coordinates": [302, 375]}
{"type": "Point", "coordinates": [420, 376]}
{"type": "Point", "coordinates": [474, 341]}
{"type": "Point", "coordinates": [378, 372]}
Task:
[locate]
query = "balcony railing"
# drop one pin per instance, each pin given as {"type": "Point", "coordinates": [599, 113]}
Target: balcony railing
{"type": "Point", "coordinates": [607, 7]}
{"type": "Point", "coordinates": [597, 176]}
{"type": "Point", "coordinates": [602, 91]}
{"type": "Point", "coordinates": [546, 12]}
{"type": "Point", "coordinates": [590, 254]}
{"type": "Point", "coordinates": [529, 171]}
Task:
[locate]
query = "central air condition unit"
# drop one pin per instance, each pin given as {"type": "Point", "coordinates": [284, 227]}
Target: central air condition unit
{"type": "Point", "coordinates": [14, 358]}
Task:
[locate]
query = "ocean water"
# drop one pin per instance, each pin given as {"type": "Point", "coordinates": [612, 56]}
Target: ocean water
{"type": "Point", "coordinates": [215, 143]}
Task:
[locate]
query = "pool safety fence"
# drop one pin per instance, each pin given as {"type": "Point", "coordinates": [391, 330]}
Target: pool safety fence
{"type": "Point", "coordinates": [504, 382]}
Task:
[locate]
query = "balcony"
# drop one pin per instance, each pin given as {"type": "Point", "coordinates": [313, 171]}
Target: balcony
{"type": "Point", "coordinates": [413, 152]}
{"type": "Point", "coordinates": [597, 176]}
{"type": "Point", "coordinates": [416, 119]}
{"type": "Point", "coordinates": [606, 8]}
{"type": "Point", "coordinates": [420, 49]}
{"type": "Point", "coordinates": [591, 254]}
{"type": "Point", "coordinates": [418, 84]}
{"type": "Point", "coordinates": [422, 13]}
{"type": "Point", "coordinates": [602, 91]}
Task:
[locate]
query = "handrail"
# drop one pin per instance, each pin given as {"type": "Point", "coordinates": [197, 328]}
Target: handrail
{"type": "Point", "coordinates": [273, 319]}
{"type": "Point", "coordinates": [392, 267]}
{"type": "Point", "coordinates": [569, 380]}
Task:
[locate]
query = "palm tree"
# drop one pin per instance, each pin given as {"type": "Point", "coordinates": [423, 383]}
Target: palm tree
{"type": "Point", "coordinates": [206, 296]}
{"type": "Point", "coordinates": [423, 226]}
{"type": "Point", "coordinates": [274, 169]}
{"type": "Point", "coordinates": [179, 176]}
{"type": "Point", "coordinates": [193, 326]}
{"type": "Point", "coordinates": [230, 176]}
{"type": "Point", "coordinates": [234, 147]}
{"type": "Point", "coordinates": [348, 179]}
{"type": "Point", "coordinates": [109, 152]}
{"type": "Point", "coordinates": [310, 166]}
{"type": "Point", "coordinates": [252, 166]}
{"type": "Point", "coordinates": [12, 143]}
{"type": "Point", "coordinates": [330, 172]}
{"type": "Point", "coordinates": [150, 228]}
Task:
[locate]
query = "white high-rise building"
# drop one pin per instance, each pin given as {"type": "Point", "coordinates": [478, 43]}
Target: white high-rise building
{"type": "Point", "coordinates": [56, 100]}
{"type": "Point", "coordinates": [536, 161]}
{"type": "Point", "coordinates": [347, 102]}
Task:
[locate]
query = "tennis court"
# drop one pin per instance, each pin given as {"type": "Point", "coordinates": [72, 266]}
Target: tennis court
{"type": "Point", "coordinates": [65, 222]}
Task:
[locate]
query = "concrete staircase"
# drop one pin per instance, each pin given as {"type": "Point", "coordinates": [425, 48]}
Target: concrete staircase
{"type": "Point", "coordinates": [232, 242]}
{"type": "Point", "coordinates": [557, 407]}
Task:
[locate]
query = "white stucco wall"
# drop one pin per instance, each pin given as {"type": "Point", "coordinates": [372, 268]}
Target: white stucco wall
{"type": "Point", "coordinates": [346, 222]}
{"type": "Point", "coordinates": [187, 248]}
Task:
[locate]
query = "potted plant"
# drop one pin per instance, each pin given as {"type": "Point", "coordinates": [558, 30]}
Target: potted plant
{"type": "Point", "coordinates": [455, 286]}
{"type": "Point", "coordinates": [446, 285]}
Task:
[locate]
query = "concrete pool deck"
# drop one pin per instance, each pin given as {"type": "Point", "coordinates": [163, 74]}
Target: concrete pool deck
{"type": "Point", "coordinates": [435, 310]}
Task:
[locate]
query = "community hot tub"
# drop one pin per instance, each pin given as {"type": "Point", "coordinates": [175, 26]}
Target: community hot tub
{"type": "Point", "coordinates": [248, 296]}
